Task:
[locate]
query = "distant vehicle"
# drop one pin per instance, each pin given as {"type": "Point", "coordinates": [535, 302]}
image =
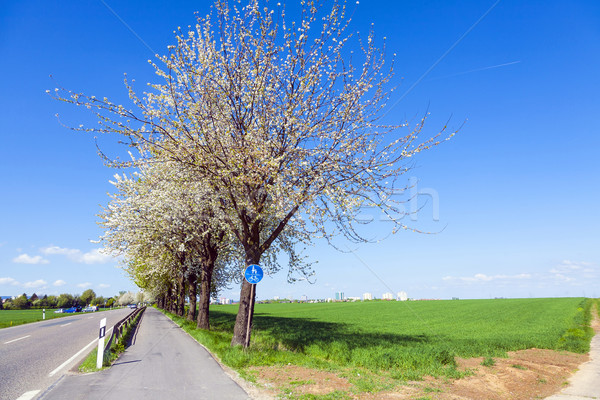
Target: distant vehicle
{"type": "Point", "coordinates": [73, 310]}
{"type": "Point", "coordinates": [90, 309]}
{"type": "Point", "coordinates": [132, 306]}
{"type": "Point", "coordinates": [60, 310]}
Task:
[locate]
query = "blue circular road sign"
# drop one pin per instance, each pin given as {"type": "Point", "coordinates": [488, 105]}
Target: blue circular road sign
{"type": "Point", "coordinates": [253, 274]}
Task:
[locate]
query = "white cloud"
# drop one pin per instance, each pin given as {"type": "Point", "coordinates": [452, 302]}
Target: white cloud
{"type": "Point", "coordinates": [565, 273]}
{"type": "Point", "coordinates": [59, 282]}
{"type": "Point", "coordinates": [27, 259]}
{"type": "Point", "coordinates": [94, 256]}
{"type": "Point", "coordinates": [61, 250]}
{"type": "Point", "coordinates": [35, 284]}
{"type": "Point", "coordinates": [564, 278]}
{"type": "Point", "coordinates": [84, 285]}
{"type": "Point", "coordinates": [486, 278]}
{"type": "Point", "coordinates": [8, 281]}
{"type": "Point", "coordinates": [103, 286]}
{"type": "Point", "coordinates": [574, 265]}
{"type": "Point", "coordinates": [573, 271]}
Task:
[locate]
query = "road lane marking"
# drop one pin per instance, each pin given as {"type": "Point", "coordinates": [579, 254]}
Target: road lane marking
{"type": "Point", "coordinates": [10, 341]}
{"type": "Point", "coordinates": [61, 366]}
{"type": "Point", "coordinates": [28, 395]}
{"type": "Point", "coordinates": [66, 324]}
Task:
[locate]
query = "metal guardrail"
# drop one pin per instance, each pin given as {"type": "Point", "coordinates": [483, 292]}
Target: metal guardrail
{"type": "Point", "coordinates": [120, 327]}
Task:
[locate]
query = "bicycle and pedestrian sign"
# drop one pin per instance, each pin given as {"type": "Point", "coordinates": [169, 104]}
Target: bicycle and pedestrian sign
{"type": "Point", "coordinates": [253, 274]}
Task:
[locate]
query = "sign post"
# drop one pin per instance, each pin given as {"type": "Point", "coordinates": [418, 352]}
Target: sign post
{"type": "Point", "coordinates": [101, 334]}
{"type": "Point", "coordinates": [43, 313]}
{"type": "Point", "coordinates": [253, 275]}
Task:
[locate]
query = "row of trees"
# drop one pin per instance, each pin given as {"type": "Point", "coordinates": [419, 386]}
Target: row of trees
{"type": "Point", "coordinates": [66, 300]}
{"type": "Point", "coordinates": [262, 137]}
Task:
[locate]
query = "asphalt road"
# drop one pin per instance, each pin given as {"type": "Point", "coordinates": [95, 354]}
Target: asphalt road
{"type": "Point", "coordinates": [163, 362]}
{"type": "Point", "coordinates": [34, 356]}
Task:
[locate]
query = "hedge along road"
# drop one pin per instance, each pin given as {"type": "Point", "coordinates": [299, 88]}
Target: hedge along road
{"type": "Point", "coordinates": [163, 362]}
{"type": "Point", "coordinates": [36, 355]}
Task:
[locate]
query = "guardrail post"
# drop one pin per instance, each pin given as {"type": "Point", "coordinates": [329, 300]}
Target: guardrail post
{"type": "Point", "coordinates": [101, 334]}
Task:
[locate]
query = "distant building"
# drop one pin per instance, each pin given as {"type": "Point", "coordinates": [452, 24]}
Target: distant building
{"type": "Point", "coordinates": [339, 296]}
{"type": "Point", "coordinates": [387, 296]}
{"type": "Point", "coordinates": [353, 298]}
{"type": "Point", "coordinates": [303, 297]}
{"type": "Point", "coordinates": [225, 300]}
{"type": "Point", "coordinates": [276, 298]}
{"type": "Point", "coordinates": [367, 296]}
{"type": "Point", "coordinates": [402, 296]}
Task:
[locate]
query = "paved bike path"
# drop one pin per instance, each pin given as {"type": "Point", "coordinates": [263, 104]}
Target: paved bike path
{"type": "Point", "coordinates": [585, 383]}
{"type": "Point", "coordinates": [163, 362]}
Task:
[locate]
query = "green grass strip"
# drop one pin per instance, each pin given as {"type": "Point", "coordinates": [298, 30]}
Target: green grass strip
{"type": "Point", "coordinates": [116, 349]}
{"type": "Point", "coordinates": [10, 318]}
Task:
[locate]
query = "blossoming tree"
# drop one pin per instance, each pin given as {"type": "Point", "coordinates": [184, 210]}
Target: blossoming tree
{"type": "Point", "coordinates": [280, 119]}
{"type": "Point", "coordinates": [162, 224]}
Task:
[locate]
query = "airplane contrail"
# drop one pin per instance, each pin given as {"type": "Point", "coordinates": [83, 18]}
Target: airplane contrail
{"type": "Point", "coordinates": [128, 27]}
{"type": "Point", "coordinates": [474, 70]}
{"type": "Point", "coordinates": [460, 39]}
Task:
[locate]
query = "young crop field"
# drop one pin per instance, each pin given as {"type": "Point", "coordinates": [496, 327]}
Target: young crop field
{"type": "Point", "coordinates": [19, 317]}
{"type": "Point", "coordinates": [402, 341]}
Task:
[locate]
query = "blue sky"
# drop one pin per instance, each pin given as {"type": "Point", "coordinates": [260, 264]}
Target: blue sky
{"type": "Point", "coordinates": [513, 196]}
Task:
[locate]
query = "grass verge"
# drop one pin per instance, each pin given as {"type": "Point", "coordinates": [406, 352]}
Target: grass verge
{"type": "Point", "coordinates": [118, 347]}
{"type": "Point", "coordinates": [578, 336]}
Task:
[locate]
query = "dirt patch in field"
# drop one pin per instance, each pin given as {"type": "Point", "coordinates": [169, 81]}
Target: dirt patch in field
{"type": "Point", "coordinates": [292, 378]}
{"type": "Point", "coordinates": [524, 375]}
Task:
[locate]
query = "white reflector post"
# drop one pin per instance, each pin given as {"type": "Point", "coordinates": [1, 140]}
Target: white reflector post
{"type": "Point", "coordinates": [101, 334]}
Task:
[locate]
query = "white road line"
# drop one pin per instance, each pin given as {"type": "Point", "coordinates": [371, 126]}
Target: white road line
{"type": "Point", "coordinates": [10, 341]}
{"type": "Point", "coordinates": [66, 324]}
{"type": "Point", "coordinates": [28, 395]}
{"type": "Point", "coordinates": [61, 366]}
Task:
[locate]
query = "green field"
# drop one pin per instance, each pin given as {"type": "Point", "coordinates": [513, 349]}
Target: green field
{"type": "Point", "coordinates": [402, 340]}
{"type": "Point", "coordinates": [19, 317]}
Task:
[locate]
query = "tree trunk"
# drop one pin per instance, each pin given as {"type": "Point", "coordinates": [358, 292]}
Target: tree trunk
{"type": "Point", "coordinates": [169, 300]}
{"type": "Point", "coordinates": [181, 296]}
{"type": "Point", "coordinates": [242, 329]}
{"type": "Point", "coordinates": [173, 299]}
{"type": "Point", "coordinates": [192, 287]}
{"type": "Point", "coordinates": [243, 321]}
{"type": "Point", "coordinates": [203, 307]}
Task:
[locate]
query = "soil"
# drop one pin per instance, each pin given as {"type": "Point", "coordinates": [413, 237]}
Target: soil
{"type": "Point", "coordinates": [523, 375]}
